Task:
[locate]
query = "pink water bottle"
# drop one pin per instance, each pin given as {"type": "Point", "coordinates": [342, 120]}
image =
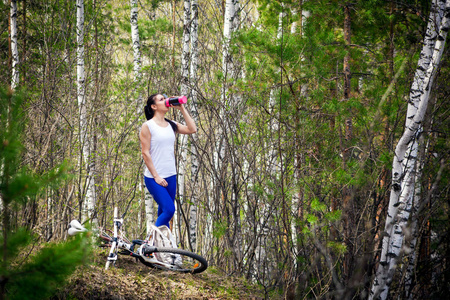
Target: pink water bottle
{"type": "Point", "coordinates": [173, 101]}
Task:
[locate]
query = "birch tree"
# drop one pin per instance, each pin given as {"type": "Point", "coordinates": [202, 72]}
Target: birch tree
{"type": "Point", "coordinates": [231, 23]}
{"type": "Point", "coordinates": [88, 203]}
{"type": "Point", "coordinates": [14, 59]}
{"type": "Point", "coordinates": [136, 54]}
{"type": "Point", "coordinates": [14, 49]}
{"type": "Point", "coordinates": [184, 89]}
{"type": "Point", "coordinates": [194, 113]}
{"type": "Point", "coordinates": [227, 67]}
{"type": "Point", "coordinates": [137, 66]}
{"type": "Point", "coordinates": [230, 102]}
{"type": "Point", "coordinates": [406, 152]}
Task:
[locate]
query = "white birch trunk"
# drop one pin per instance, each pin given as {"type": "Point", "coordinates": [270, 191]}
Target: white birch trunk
{"type": "Point", "coordinates": [186, 52]}
{"type": "Point", "coordinates": [404, 164]}
{"type": "Point", "coordinates": [411, 241]}
{"type": "Point", "coordinates": [226, 69]}
{"type": "Point", "coordinates": [15, 61]}
{"type": "Point", "coordinates": [137, 65]}
{"type": "Point", "coordinates": [136, 54]}
{"type": "Point", "coordinates": [49, 214]}
{"type": "Point", "coordinates": [14, 48]}
{"type": "Point", "coordinates": [89, 201]}
{"type": "Point", "coordinates": [194, 113]}
{"type": "Point", "coordinates": [303, 93]}
{"type": "Point", "coordinates": [231, 24]}
{"type": "Point", "coordinates": [184, 89]}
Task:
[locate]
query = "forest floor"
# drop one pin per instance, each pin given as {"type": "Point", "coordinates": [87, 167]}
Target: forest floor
{"type": "Point", "coordinates": [132, 280]}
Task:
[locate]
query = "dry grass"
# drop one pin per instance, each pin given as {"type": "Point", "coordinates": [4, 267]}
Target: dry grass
{"type": "Point", "coordinates": [132, 280]}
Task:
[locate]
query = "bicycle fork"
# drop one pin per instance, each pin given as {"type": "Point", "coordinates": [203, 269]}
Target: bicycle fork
{"type": "Point", "coordinates": [112, 257]}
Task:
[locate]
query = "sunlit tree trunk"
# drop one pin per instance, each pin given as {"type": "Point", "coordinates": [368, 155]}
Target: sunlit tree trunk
{"type": "Point", "coordinates": [13, 57]}
{"type": "Point", "coordinates": [228, 109]}
{"type": "Point", "coordinates": [185, 51]}
{"type": "Point", "coordinates": [411, 239]}
{"type": "Point", "coordinates": [136, 54]}
{"type": "Point", "coordinates": [406, 152]}
{"type": "Point", "coordinates": [184, 90]}
{"type": "Point", "coordinates": [194, 159]}
{"type": "Point", "coordinates": [297, 206]}
{"type": "Point", "coordinates": [227, 69]}
{"type": "Point", "coordinates": [88, 206]}
{"type": "Point", "coordinates": [137, 66]}
{"type": "Point", "coordinates": [14, 48]}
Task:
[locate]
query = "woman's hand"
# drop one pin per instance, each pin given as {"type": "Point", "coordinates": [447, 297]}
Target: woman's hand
{"type": "Point", "coordinates": [178, 107]}
{"type": "Point", "coordinates": [190, 126]}
{"type": "Point", "coordinates": [161, 181]}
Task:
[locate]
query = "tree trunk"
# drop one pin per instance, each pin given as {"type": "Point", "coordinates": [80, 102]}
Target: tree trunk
{"type": "Point", "coordinates": [186, 52]}
{"type": "Point", "coordinates": [406, 151]}
{"type": "Point", "coordinates": [347, 74]}
{"type": "Point", "coordinates": [184, 90]}
{"type": "Point", "coordinates": [194, 159]}
{"type": "Point", "coordinates": [88, 206]}
{"type": "Point", "coordinates": [138, 103]}
{"type": "Point", "coordinates": [136, 54]}
{"type": "Point", "coordinates": [411, 239]}
{"type": "Point", "coordinates": [14, 48]}
{"type": "Point", "coordinates": [347, 191]}
{"type": "Point", "coordinates": [231, 23]}
{"type": "Point", "coordinates": [24, 40]}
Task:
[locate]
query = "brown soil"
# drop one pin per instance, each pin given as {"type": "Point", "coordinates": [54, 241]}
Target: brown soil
{"type": "Point", "coordinates": [132, 280]}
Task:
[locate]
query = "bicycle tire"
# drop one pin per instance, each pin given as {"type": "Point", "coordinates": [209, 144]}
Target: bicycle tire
{"type": "Point", "coordinates": [191, 262]}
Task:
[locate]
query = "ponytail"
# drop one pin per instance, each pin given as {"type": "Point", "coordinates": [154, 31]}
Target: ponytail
{"type": "Point", "coordinates": [172, 124]}
{"type": "Point", "coordinates": [148, 112]}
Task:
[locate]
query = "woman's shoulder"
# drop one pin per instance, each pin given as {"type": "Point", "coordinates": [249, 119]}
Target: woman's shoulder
{"type": "Point", "coordinates": [146, 124]}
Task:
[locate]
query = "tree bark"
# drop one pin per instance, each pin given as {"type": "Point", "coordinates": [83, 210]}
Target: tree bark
{"type": "Point", "coordinates": [88, 206]}
{"type": "Point", "coordinates": [136, 54]}
{"type": "Point", "coordinates": [194, 159]}
{"type": "Point", "coordinates": [137, 65]}
{"type": "Point", "coordinates": [406, 151]}
{"type": "Point", "coordinates": [184, 90]}
{"type": "Point", "coordinates": [14, 48]}
{"type": "Point", "coordinates": [347, 191]}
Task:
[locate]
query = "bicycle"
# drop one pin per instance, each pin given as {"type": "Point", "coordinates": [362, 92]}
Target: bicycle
{"type": "Point", "coordinates": [163, 258]}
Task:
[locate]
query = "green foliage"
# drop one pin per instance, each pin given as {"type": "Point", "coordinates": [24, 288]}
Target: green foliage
{"type": "Point", "coordinates": [219, 229]}
{"type": "Point", "coordinates": [47, 269]}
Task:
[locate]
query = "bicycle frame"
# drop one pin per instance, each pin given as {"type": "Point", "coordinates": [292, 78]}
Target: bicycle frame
{"type": "Point", "coordinates": [112, 257]}
{"type": "Point", "coordinates": [118, 243]}
{"type": "Point", "coordinates": [166, 258]}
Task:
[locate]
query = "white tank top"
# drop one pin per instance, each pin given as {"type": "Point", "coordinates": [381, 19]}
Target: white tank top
{"type": "Point", "coordinates": [161, 150]}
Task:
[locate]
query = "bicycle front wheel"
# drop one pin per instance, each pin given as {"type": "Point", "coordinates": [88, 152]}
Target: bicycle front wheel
{"type": "Point", "coordinates": [174, 259]}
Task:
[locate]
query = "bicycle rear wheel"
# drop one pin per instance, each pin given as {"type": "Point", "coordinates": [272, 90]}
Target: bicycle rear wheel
{"type": "Point", "coordinates": [176, 260]}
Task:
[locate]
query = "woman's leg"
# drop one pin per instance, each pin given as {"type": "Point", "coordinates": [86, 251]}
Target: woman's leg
{"type": "Point", "coordinates": [165, 197]}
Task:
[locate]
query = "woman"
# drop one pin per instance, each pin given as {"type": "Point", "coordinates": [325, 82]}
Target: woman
{"type": "Point", "coordinates": [157, 143]}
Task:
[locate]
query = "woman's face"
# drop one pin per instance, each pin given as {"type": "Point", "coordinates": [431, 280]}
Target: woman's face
{"type": "Point", "coordinates": [159, 104]}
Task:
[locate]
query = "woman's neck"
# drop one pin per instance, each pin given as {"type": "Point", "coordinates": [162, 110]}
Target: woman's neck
{"type": "Point", "coordinates": [159, 117]}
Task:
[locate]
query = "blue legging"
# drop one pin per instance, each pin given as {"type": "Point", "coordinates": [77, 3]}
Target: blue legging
{"type": "Point", "coordinates": [165, 197]}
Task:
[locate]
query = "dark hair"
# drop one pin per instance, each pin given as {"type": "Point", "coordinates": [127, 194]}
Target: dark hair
{"type": "Point", "coordinates": [149, 112]}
